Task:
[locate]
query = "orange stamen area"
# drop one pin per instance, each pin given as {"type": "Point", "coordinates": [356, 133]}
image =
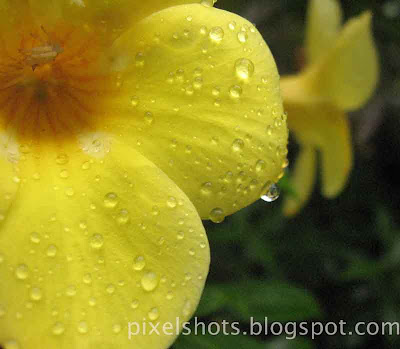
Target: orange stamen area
{"type": "Point", "coordinates": [53, 85]}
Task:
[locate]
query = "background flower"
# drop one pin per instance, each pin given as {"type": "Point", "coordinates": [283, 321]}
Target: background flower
{"type": "Point", "coordinates": [340, 75]}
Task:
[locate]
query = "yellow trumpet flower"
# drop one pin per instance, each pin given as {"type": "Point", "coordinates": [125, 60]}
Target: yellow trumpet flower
{"type": "Point", "coordinates": [122, 124]}
{"type": "Point", "coordinates": [340, 76]}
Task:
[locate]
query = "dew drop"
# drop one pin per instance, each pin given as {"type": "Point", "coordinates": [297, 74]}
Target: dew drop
{"type": "Point", "coordinates": [206, 188]}
{"type": "Point", "coordinates": [169, 295]}
{"type": "Point", "coordinates": [22, 272]}
{"type": "Point", "coordinates": [235, 91]}
{"type": "Point", "coordinates": [260, 166]}
{"type": "Point", "coordinates": [153, 314]}
{"type": "Point", "coordinates": [216, 34]}
{"type": "Point", "coordinates": [83, 327]}
{"type": "Point", "coordinates": [62, 159]}
{"type": "Point", "coordinates": [135, 304]}
{"type": "Point", "coordinates": [244, 68]}
{"type": "Point", "coordinates": [123, 217]}
{"type": "Point", "coordinates": [87, 279]}
{"type": "Point", "coordinates": [58, 329]}
{"type": "Point", "coordinates": [187, 308]}
{"type": "Point", "coordinates": [139, 263]}
{"type": "Point", "coordinates": [139, 59]}
{"type": "Point", "coordinates": [110, 289]}
{"type": "Point", "coordinates": [149, 281]}
{"type": "Point", "coordinates": [71, 291]}
{"type": "Point", "coordinates": [86, 165]}
{"type": "Point", "coordinates": [64, 174]}
{"type": "Point", "coordinates": [237, 145]}
{"type": "Point", "coordinates": [180, 235]}
{"type": "Point", "coordinates": [69, 192]}
{"type": "Point", "coordinates": [36, 294]}
{"type": "Point", "coordinates": [35, 238]}
{"type": "Point", "coordinates": [148, 117]}
{"type": "Point", "coordinates": [110, 200]}
{"type": "Point", "coordinates": [134, 101]}
{"type": "Point", "coordinates": [116, 328]}
{"type": "Point", "coordinates": [198, 83]}
{"type": "Point", "coordinates": [242, 37]}
{"type": "Point", "coordinates": [270, 192]}
{"type": "Point", "coordinates": [217, 215]}
{"type": "Point", "coordinates": [51, 251]}
{"type": "Point", "coordinates": [172, 202]}
{"type": "Point", "coordinates": [97, 241]}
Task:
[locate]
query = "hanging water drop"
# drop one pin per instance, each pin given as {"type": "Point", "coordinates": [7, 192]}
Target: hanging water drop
{"type": "Point", "coordinates": [217, 215]}
{"type": "Point", "coordinates": [270, 192]}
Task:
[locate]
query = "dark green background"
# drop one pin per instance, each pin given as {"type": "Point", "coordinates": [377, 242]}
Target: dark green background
{"type": "Point", "coordinates": [338, 259]}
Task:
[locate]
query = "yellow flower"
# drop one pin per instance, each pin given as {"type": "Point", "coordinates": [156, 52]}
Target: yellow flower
{"type": "Point", "coordinates": [122, 124]}
{"type": "Point", "coordinates": [340, 76]}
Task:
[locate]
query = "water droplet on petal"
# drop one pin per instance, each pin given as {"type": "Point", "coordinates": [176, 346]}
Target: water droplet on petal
{"type": "Point", "coordinates": [110, 289]}
{"type": "Point", "coordinates": [153, 314]}
{"type": "Point", "coordinates": [139, 263]}
{"type": "Point", "coordinates": [270, 192]}
{"type": "Point", "coordinates": [242, 37]}
{"type": "Point", "coordinates": [62, 159]}
{"type": "Point", "coordinates": [58, 329]}
{"type": "Point", "coordinates": [260, 166]}
{"type": "Point", "coordinates": [87, 279]}
{"type": "Point", "coordinates": [22, 272]}
{"type": "Point", "coordinates": [71, 291]}
{"type": "Point", "coordinates": [206, 188]}
{"type": "Point", "coordinates": [237, 145]}
{"type": "Point", "coordinates": [244, 68]}
{"type": "Point", "coordinates": [171, 202]}
{"type": "Point", "coordinates": [36, 294]}
{"type": "Point", "coordinates": [97, 241]}
{"type": "Point", "coordinates": [83, 327]}
{"type": "Point", "coordinates": [216, 34]}
{"type": "Point", "coordinates": [123, 217]}
{"type": "Point", "coordinates": [235, 91]}
{"type": "Point", "coordinates": [51, 251]}
{"type": "Point", "coordinates": [35, 238]}
{"type": "Point", "coordinates": [232, 25]}
{"type": "Point", "coordinates": [149, 281]}
{"type": "Point", "coordinates": [135, 304]}
{"type": "Point", "coordinates": [110, 200]}
{"type": "Point", "coordinates": [116, 328]}
{"type": "Point", "coordinates": [217, 215]}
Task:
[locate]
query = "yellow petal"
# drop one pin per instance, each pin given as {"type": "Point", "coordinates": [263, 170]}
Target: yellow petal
{"type": "Point", "coordinates": [348, 75]}
{"type": "Point", "coordinates": [202, 102]}
{"type": "Point", "coordinates": [9, 182]}
{"type": "Point", "coordinates": [302, 179]}
{"type": "Point", "coordinates": [337, 156]}
{"type": "Point", "coordinates": [92, 244]}
{"type": "Point", "coordinates": [324, 19]}
{"type": "Point", "coordinates": [108, 17]}
{"type": "Point", "coordinates": [322, 126]}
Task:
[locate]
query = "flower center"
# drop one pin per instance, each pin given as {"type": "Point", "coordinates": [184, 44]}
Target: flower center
{"type": "Point", "coordinates": [53, 83]}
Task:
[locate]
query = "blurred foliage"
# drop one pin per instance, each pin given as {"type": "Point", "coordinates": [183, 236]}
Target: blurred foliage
{"type": "Point", "coordinates": [338, 259]}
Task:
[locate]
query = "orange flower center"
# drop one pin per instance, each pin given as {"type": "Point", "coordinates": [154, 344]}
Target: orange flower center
{"type": "Point", "coordinates": [53, 82]}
